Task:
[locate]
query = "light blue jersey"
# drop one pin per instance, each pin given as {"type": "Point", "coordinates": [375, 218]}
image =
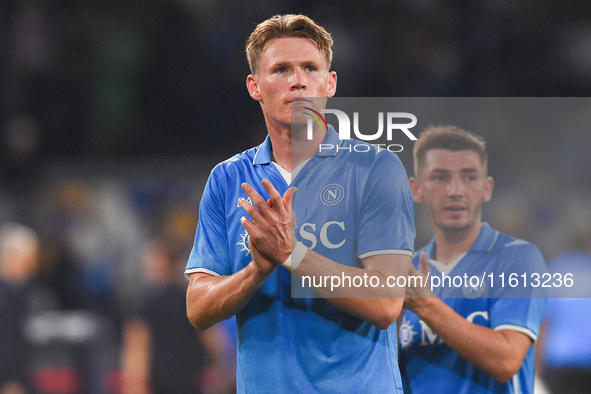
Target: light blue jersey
{"type": "Point", "coordinates": [431, 365]}
{"type": "Point", "coordinates": [349, 205]}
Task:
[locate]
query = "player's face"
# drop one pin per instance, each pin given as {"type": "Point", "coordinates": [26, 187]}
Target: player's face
{"type": "Point", "coordinates": [289, 70]}
{"type": "Point", "coordinates": [453, 186]}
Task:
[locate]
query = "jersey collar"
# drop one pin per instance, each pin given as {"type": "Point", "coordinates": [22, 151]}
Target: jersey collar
{"type": "Point", "coordinates": [263, 152]}
{"type": "Point", "coordinates": [484, 243]}
{"type": "Point", "coordinates": [486, 239]}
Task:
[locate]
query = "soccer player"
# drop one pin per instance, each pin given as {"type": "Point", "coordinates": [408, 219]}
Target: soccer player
{"type": "Point", "coordinates": [354, 215]}
{"type": "Point", "coordinates": [471, 338]}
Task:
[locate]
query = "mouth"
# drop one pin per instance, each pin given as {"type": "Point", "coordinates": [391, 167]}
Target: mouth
{"type": "Point", "coordinates": [299, 99]}
{"type": "Point", "coordinates": [455, 208]}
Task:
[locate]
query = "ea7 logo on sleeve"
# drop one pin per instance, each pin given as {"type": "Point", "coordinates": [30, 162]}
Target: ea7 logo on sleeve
{"type": "Point", "coordinates": [247, 199]}
{"type": "Point", "coordinates": [332, 194]}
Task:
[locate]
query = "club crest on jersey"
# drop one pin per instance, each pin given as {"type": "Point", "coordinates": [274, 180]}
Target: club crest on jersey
{"type": "Point", "coordinates": [472, 292]}
{"type": "Point", "coordinates": [243, 243]}
{"type": "Point", "coordinates": [406, 333]}
{"type": "Point", "coordinates": [332, 194]}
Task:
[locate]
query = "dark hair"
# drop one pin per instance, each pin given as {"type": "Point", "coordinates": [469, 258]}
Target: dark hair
{"type": "Point", "coordinates": [448, 137]}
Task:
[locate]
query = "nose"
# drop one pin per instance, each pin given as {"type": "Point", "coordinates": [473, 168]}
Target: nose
{"type": "Point", "coordinates": [298, 80]}
{"type": "Point", "coordinates": [455, 187]}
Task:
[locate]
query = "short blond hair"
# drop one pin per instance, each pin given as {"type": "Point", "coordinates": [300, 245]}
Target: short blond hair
{"type": "Point", "coordinates": [448, 137]}
{"type": "Point", "coordinates": [289, 25]}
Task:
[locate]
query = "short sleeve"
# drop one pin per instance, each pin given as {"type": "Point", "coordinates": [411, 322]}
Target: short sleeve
{"type": "Point", "coordinates": [210, 251]}
{"type": "Point", "coordinates": [387, 211]}
{"type": "Point", "coordinates": [523, 306]}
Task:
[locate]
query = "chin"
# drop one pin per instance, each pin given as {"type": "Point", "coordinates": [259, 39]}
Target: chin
{"type": "Point", "coordinates": [454, 226]}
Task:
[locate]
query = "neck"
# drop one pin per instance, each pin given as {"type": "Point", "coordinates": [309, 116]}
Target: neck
{"type": "Point", "coordinates": [290, 146]}
{"type": "Point", "coordinates": [450, 244]}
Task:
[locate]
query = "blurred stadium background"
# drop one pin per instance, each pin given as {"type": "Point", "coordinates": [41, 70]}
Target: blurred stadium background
{"type": "Point", "coordinates": [112, 114]}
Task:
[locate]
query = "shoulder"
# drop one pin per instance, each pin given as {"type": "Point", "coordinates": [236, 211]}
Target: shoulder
{"type": "Point", "coordinates": [232, 170]}
{"type": "Point", "coordinates": [389, 164]}
{"type": "Point", "coordinates": [518, 250]}
{"type": "Point", "coordinates": [368, 152]}
{"type": "Point", "coordinates": [238, 161]}
{"type": "Point", "coordinates": [509, 244]}
{"type": "Point", "coordinates": [374, 159]}
{"type": "Point", "coordinates": [229, 173]}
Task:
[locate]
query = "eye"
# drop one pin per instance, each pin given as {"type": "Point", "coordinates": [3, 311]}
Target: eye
{"type": "Point", "coordinates": [281, 70]}
{"type": "Point", "coordinates": [310, 68]}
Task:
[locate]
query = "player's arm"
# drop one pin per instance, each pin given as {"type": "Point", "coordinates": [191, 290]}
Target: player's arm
{"type": "Point", "coordinates": [212, 299]}
{"type": "Point", "coordinates": [379, 305]}
{"type": "Point", "coordinates": [499, 353]}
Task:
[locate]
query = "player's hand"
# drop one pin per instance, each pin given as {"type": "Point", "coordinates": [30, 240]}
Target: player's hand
{"type": "Point", "coordinates": [261, 261]}
{"type": "Point", "coordinates": [271, 228]}
{"type": "Point", "coordinates": [418, 290]}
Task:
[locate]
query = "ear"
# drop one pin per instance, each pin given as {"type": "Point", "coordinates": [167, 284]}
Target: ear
{"type": "Point", "coordinates": [415, 189]}
{"type": "Point", "coordinates": [332, 84]}
{"type": "Point", "coordinates": [488, 188]}
{"type": "Point", "coordinates": [253, 87]}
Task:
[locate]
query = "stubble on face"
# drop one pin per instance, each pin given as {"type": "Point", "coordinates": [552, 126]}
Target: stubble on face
{"type": "Point", "coordinates": [453, 186]}
{"type": "Point", "coordinates": [291, 72]}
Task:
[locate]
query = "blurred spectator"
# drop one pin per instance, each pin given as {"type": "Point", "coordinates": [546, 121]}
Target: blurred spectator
{"type": "Point", "coordinates": [162, 352]}
{"type": "Point", "coordinates": [90, 234]}
{"type": "Point", "coordinates": [565, 345]}
{"type": "Point", "coordinates": [68, 223]}
{"type": "Point", "coordinates": [19, 247]}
